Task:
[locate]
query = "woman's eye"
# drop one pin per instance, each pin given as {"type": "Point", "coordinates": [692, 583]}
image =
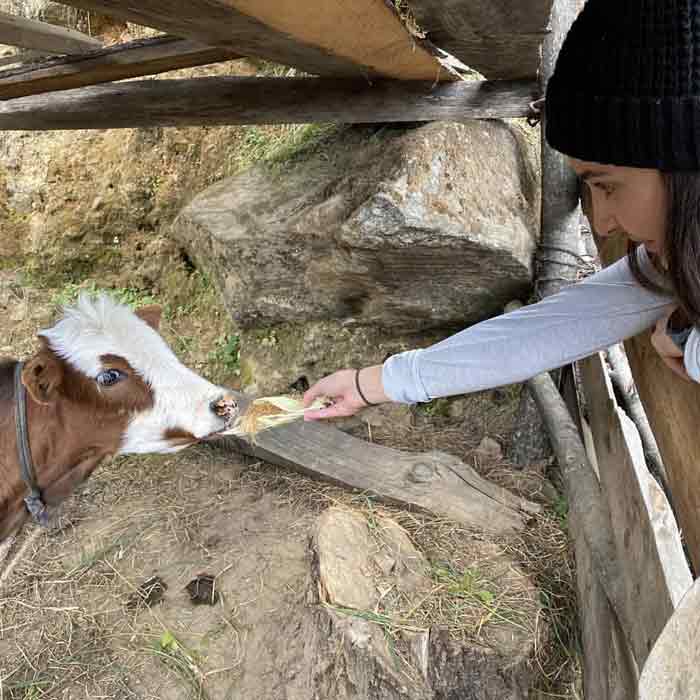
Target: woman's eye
{"type": "Point", "coordinates": [109, 377]}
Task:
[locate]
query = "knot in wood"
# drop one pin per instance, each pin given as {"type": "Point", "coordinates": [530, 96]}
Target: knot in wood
{"type": "Point", "coordinates": [421, 473]}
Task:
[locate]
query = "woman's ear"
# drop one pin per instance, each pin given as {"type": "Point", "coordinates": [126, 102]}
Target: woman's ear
{"type": "Point", "coordinates": [42, 375]}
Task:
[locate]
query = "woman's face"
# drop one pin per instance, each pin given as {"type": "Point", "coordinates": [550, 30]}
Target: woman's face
{"type": "Point", "coordinates": [629, 201]}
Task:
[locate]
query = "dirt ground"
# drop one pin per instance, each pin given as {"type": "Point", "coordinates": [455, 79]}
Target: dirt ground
{"type": "Point", "coordinates": [71, 625]}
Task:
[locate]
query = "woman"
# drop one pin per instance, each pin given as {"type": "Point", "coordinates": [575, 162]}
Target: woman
{"type": "Point", "coordinates": [623, 105]}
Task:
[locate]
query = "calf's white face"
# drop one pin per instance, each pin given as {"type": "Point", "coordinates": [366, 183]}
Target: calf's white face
{"type": "Point", "coordinates": [134, 371]}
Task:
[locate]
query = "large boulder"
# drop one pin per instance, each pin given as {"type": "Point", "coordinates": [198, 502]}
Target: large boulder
{"type": "Point", "coordinates": [407, 229]}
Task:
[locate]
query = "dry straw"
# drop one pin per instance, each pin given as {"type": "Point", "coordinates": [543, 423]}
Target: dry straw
{"type": "Point", "coordinates": [271, 412]}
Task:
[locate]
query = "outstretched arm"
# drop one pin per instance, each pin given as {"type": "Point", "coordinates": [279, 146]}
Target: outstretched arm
{"type": "Point", "coordinates": [591, 315]}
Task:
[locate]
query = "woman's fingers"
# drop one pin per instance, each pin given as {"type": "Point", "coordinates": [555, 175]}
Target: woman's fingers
{"type": "Point", "coordinates": [669, 352]}
{"type": "Point", "coordinates": [335, 410]}
{"type": "Point", "coordinates": [339, 387]}
{"type": "Point", "coordinates": [334, 386]}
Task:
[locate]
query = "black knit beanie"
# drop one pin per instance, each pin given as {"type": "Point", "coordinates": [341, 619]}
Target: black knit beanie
{"type": "Point", "coordinates": [626, 86]}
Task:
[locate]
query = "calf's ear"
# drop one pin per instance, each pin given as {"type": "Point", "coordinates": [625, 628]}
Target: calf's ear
{"type": "Point", "coordinates": [42, 375]}
{"type": "Point", "coordinates": [151, 315]}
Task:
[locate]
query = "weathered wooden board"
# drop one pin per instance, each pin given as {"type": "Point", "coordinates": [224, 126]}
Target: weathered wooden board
{"type": "Point", "coordinates": [498, 38]}
{"type": "Point", "coordinates": [32, 34]}
{"type": "Point", "coordinates": [432, 481]}
{"type": "Point", "coordinates": [129, 60]}
{"type": "Point", "coordinates": [647, 540]}
{"type": "Point", "coordinates": [673, 408]}
{"type": "Point", "coordinates": [212, 101]}
{"type": "Point", "coordinates": [332, 38]}
{"type": "Point", "coordinates": [672, 671]}
{"type": "Point", "coordinates": [609, 671]}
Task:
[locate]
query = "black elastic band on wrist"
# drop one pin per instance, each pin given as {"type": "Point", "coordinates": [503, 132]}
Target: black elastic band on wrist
{"type": "Point", "coordinates": [359, 391]}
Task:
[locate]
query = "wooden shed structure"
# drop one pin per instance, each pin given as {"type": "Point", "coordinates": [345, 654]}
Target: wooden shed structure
{"type": "Point", "coordinates": [361, 62]}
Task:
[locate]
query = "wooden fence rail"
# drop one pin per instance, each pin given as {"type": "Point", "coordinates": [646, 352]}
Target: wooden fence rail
{"type": "Point", "coordinates": [648, 550]}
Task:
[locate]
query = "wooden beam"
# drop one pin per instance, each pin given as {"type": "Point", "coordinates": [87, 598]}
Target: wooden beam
{"type": "Point", "coordinates": [216, 101]}
{"type": "Point", "coordinates": [130, 60]}
{"type": "Point", "coordinates": [672, 671]}
{"type": "Point", "coordinates": [647, 540]}
{"type": "Point", "coordinates": [433, 482]}
{"type": "Point", "coordinates": [499, 38]}
{"type": "Point", "coordinates": [40, 36]}
{"type": "Point", "coordinates": [672, 406]}
{"type": "Point", "coordinates": [321, 37]}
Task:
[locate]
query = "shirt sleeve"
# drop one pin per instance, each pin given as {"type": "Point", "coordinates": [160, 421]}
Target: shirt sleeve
{"type": "Point", "coordinates": [583, 318]}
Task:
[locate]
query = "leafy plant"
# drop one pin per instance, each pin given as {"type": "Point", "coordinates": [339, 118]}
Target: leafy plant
{"type": "Point", "coordinates": [226, 354]}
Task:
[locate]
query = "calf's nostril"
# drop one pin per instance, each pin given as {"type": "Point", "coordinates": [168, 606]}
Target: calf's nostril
{"type": "Point", "coordinates": [224, 407]}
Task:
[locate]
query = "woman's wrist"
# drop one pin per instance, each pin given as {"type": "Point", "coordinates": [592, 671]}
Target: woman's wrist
{"type": "Point", "coordinates": [371, 388]}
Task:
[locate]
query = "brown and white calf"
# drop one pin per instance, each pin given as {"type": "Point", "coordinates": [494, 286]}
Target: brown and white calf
{"type": "Point", "coordinates": [104, 382]}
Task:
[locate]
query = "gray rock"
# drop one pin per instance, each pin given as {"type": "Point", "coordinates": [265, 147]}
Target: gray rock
{"type": "Point", "coordinates": [273, 359]}
{"type": "Point", "coordinates": [418, 229]}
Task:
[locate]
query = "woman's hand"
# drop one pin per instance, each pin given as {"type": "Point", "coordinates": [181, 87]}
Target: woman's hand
{"type": "Point", "coordinates": [670, 353]}
{"type": "Point", "coordinates": [341, 388]}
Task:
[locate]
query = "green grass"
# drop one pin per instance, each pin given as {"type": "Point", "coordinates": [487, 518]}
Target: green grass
{"type": "Point", "coordinates": [278, 146]}
{"type": "Point", "coordinates": [69, 293]}
{"type": "Point", "coordinates": [465, 584]}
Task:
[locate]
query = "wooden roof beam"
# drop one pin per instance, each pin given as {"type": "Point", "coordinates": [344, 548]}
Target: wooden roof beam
{"type": "Point", "coordinates": [129, 60]}
{"type": "Point", "coordinates": [316, 36]}
{"type": "Point", "coordinates": [41, 36]}
{"type": "Point", "coordinates": [219, 101]}
{"type": "Point", "coordinates": [499, 38]}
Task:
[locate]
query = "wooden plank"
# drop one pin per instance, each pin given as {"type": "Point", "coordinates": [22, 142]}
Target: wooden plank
{"type": "Point", "coordinates": [40, 36]}
{"type": "Point", "coordinates": [609, 670]}
{"type": "Point", "coordinates": [351, 40]}
{"type": "Point", "coordinates": [672, 671]}
{"type": "Point", "coordinates": [498, 38]}
{"type": "Point", "coordinates": [647, 540]}
{"type": "Point", "coordinates": [213, 101]}
{"type": "Point", "coordinates": [673, 408]}
{"type": "Point", "coordinates": [588, 510]}
{"type": "Point", "coordinates": [433, 481]}
{"type": "Point", "coordinates": [129, 60]}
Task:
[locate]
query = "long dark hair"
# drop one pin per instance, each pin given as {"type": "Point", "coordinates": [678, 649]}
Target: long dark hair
{"type": "Point", "coordinates": [681, 244]}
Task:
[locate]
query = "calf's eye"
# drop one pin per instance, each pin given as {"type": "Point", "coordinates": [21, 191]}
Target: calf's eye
{"type": "Point", "coordinates": [109, 377]}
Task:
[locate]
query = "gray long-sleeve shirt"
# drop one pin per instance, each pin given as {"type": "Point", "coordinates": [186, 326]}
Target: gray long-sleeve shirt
{"type": "Point", "coordinates": [591, 315]}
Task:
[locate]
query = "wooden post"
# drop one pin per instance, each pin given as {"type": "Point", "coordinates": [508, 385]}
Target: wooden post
{"type": "Point", "coordinates": [600, 588]}
{"type": "Point", "coordinates": [40, 36]}
{"type": "Point", "coordinates": [559, 244]}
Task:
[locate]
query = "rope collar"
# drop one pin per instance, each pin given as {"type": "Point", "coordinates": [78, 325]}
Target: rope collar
{"type": "Point", "coordinates": [34, 502]}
